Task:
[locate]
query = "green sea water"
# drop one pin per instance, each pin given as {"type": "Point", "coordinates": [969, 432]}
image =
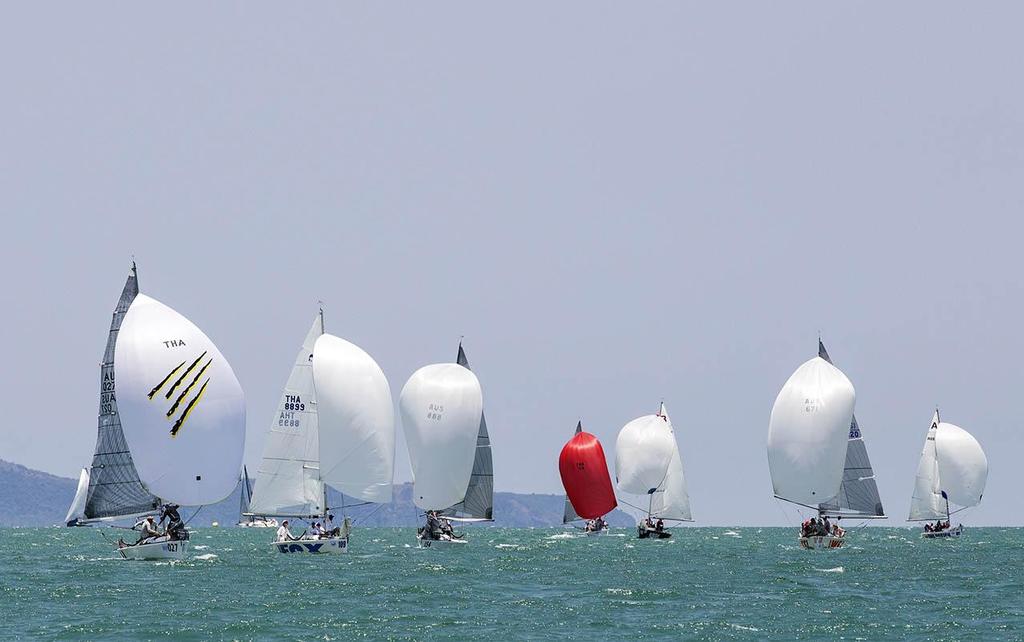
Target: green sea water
{"type": "Point", "coordinates": [703, 584]}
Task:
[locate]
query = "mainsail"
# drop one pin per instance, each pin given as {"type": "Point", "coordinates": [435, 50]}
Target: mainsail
{"type": "Point", "coordinates": [478, 503]}
{"type": "Point", "coordinates": [858, 494]}
{"type": "Point", "coordinates": [808, 433]}
{"type": "Point", "coordinates": [568, 512]}
{"type": "Point", "coordinates": [115, 489]}
{"type": "Point", "coordinates": [288, 478]}
{"type": "Point", "coordinates": [584, 472]}
{"type": "Point", "coordinates": [245, 492]}
{"type": "Point", "coordinates": [441, 407]}
{"type": "Point", "coordinates": [76, 513]}
{"type": "Point", "coordinates": [953, 471]}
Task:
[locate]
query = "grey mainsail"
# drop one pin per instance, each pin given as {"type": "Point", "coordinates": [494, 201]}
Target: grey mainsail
{"type": "Point", "coordinates": [478, 504]}
{"type": "Point", "coordinates": [115, 489]}
{"type": "Point", "coordinates": [568, 512]}
{"type": "Point", "coordinates": [858, 494]}
{"type": "Point", "coordinates": [245, 494]}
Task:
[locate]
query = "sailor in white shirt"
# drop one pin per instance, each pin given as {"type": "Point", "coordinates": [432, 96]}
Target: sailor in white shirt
{"type": "Point", "coordinates": [283, 534]}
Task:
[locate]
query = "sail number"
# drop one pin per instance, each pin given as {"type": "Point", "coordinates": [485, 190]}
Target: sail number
{"type": "Point", "coordinates": [435, 411]}
{"type": "Point", "coordinates": [107, 392]}
{"type": "Point", "coordinates": [812, 405]}
{"type": "Point", "coordinates": [291, 405]}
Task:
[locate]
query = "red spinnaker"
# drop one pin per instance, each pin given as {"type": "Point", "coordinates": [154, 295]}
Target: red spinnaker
{"type": "Point", "coordinates": [585, 476]}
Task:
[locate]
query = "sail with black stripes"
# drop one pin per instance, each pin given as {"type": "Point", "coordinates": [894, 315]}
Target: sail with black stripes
{"type": "Point", "coordinates": [858, 494]}
{"type": "Point", "coordinates": [478, 504]}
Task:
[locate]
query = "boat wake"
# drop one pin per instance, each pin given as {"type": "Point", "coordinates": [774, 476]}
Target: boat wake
{"type": "Point", "coordinates": [838, 569]}
{"type": "Point", "coordinates": [206, 556]}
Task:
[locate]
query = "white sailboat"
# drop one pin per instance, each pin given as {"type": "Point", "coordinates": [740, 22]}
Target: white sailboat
{"type": "Point", "coordinates": [248, 520]}
{"type": "Point", "coordinates": [171, 423]}
{"type": "Point", "coordinates": [449, 449]}
{"type": "Point", "coordinates": [649, 475]}
{"type": "Point", "coordinates": [952, 471]}
{"type": "Point", "coordinates": [808, 436]}
{"type": "Point", "coordinates": [335, 426]}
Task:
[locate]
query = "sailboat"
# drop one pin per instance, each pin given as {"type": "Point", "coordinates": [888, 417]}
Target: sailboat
{"type": "Point", "coordinates": [248, 520]}
{"type": "Point", "coordinates": [649, 474]}
{"type": "Point", "coordinates": [171, 426]}
{"type": "Point", "coordinates": [808, 438]}
{"type": "Point", "coordinates": [953, 470]}
{"type": "Point", "coordinates": [588, 486]}
{"type": "Point", "coordinates": [334, 426]}
{"type": "Point", "coordinates": [449, 449]}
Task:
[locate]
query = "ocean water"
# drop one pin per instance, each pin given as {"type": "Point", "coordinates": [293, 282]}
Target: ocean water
{"type": "Point", "coordinates": [703, 584]}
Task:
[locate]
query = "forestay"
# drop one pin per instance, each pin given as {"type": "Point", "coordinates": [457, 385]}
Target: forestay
{"type": "Point", "coordinates": [441, 407]}
{"type": "Point", "coordinates": [478, 503]}
{"type": "Point", "coordinates": [182, 409]}
{"type": "Point", "coordinates": [858, 492]}
{"type": "Point", "coordinates": [808, 433]}
{"type": "Point", "coordinates": [288, 478]}
{"type": "Point", "coordinates": [357, 421]}
{"type": "Point", "coordinates": [115, 489]}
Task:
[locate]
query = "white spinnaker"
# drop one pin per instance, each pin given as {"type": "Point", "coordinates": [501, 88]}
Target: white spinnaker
{"type": "Point", "coordinates": [171, 377]}
{"type": "Point", "coordinates": [926, 502]}
{"type": "Point", "coordinates": [963, 467]}
{"type": "Point", "coordinates": [357, 421]}
{"type": "Point", "coordinates": [441, 406]}
{"type": "Point", "coordinates": [288, 479]}
{"type": "Point", "coordinates": [643, 451]}
{"type": "Point", "coordinates": [808, 433]}
{"type": "Point", "coordinates": [674, 501]}
{"type": "Point", "coordinates": [77, 509]}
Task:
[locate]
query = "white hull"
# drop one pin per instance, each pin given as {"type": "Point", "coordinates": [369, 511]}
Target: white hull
{"type": "Point", "coordinates": [822, 541]}
{"type": "Point", "coordinates": [440, 543]}
{"type": "Point", "coordinates": [334, 545]}
{"type": "Point", "coordinates": [949, 532]}
{"type": "Point", "coordinates": [603, 531]}
{"type": "Point", "coordinates": [155, 551]}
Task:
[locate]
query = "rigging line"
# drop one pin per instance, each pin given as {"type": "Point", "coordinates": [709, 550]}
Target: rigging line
{"type": "Point", "coordinates": [193, 516]}
{"type": "Point", "coordinates": [379, 506]}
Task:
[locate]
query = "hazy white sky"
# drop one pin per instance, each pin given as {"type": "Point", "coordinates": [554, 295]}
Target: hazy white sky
{"type": "Point", "coordinates": [616, 204]}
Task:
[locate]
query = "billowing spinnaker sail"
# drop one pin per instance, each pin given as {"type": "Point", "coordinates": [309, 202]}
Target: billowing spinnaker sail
{"type": "Point", "coordinates": [858, 493]}
{"type": "Point", "coordinates": [963, 467]}
{"type": "Point", "coordinates": [357, 421]}
{"type": "Point", "coordinates": [584, 471]}
{"type": "Point", "coordinates": [643, 451]}
{"type": "Point", "coordinates": [441, 406]}
{"type": "Point", "coordinates": [114, 486]}
{"type": "Point", "coordinates": [807, 433]}
{"type": "Point", "coordinates": [288, 479]}
{"type": "Point", "coordinates": [77, 510]}
{"type": "Point", "coordinates": [927, 502]}
{"type": "Point", "coordinates": [182, 409]}
{"type": "Point", "coordinates": [478, 504]}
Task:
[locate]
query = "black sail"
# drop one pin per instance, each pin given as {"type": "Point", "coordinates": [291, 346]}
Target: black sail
{"type": "Point", "coordinates": [858, 495]}
{"type": "Point", "coordinates": [115, 489]}
{"type": "Point", "coordinates": [478, 502]}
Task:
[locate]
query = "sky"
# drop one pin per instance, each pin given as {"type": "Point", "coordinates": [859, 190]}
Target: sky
{"type": "Point", "coordinates": [615, 204]}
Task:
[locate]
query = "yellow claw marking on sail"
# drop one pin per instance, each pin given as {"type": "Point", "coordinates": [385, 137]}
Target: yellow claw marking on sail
{"type": "Point", "coordinates": [177, 383]}
{"type": "Point", "coordinates": [184, 393]}
{"type": "Point", "coordinates": [188, 409]}
{"type": "Point", "coordinates": [170, 374]}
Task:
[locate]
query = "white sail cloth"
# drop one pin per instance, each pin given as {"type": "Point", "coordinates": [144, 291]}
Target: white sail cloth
{"type": "Point", "coordinates": [77, 510]}
{"type": "Point", "coordinates": [808, 432]}
{"type": "Point", "coordinates": [357, 421]}
{"type": "Point", "coordinates": [288, 477]}
{"type": "Point", "coordinates": [441, 405]}
{"type": "Point", "coordinates": [952, 462]}
{"type": "Point", "coordinates": [649, 470]}
{"type": "Point", "coordinates": [182, 409]}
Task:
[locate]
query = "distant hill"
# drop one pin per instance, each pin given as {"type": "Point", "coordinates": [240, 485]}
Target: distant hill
{"type": "Point", "coordinates": [33, 498]}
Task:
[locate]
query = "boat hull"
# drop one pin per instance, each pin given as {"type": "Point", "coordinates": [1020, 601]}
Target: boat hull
{"type": "Point", "coordinates": [815, 542]}
{"type": "Point", "coordinates": [599, 533]}
{"type": "Point", "coordinates": [175, 550]}
{"type": "Point", "coordinates": [647, 533]}
{"type": "Point", "coordinates": [946, 534]}
{"type": "Point", "coordinates": [439, 543]}
{"type": "Point", "coordinates": [334, 545]}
